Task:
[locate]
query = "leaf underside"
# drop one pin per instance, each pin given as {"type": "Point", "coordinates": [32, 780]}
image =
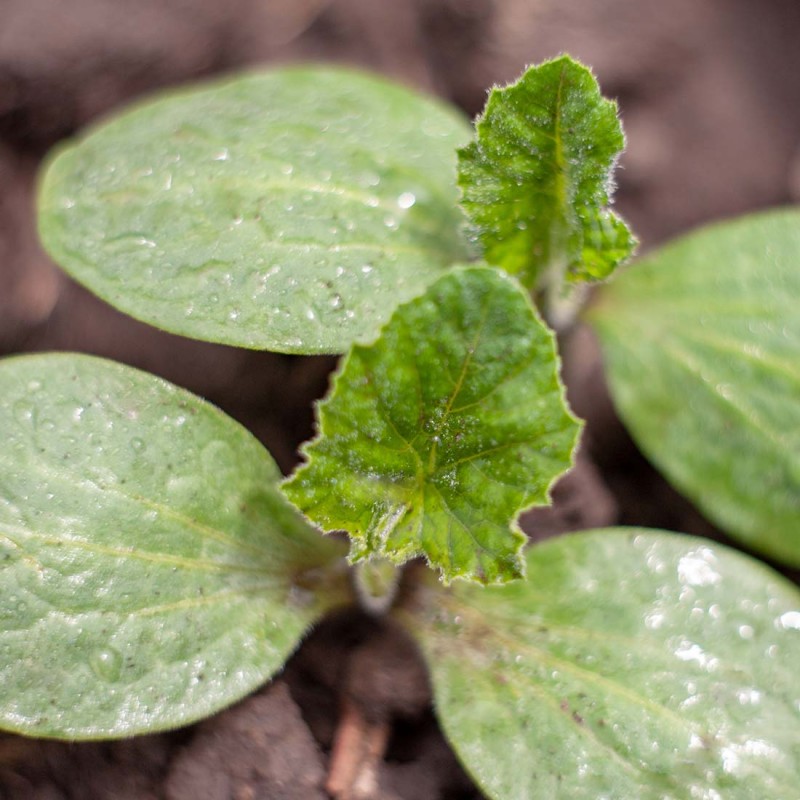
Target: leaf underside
{"type": "Point", "coordinates": [701, 344]}
{"type": "Point", "coordinates": [288, 210]}
{"type": "Point", "coordinates": [151, 571]}
{"type": "Point", "coordinates": [437, 435]}
{"type": "Point", "coordinates": [537, 181]}
{"type": "Point", "coordinates": [630, 664]}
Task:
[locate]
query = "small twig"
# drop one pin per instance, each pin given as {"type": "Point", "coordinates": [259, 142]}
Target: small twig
{"type": "Point", "coordinates": [358, 748]}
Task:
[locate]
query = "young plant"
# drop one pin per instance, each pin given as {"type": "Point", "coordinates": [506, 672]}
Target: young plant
{"type": "Point", "coordinates": [153, 568]}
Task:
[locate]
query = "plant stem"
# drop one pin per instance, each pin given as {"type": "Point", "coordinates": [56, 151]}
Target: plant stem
{"type": "Point", "coordinates": [376, 582]}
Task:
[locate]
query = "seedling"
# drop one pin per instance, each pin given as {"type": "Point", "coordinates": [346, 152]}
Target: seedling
{"type": "Point", "coordinates": [154, 567]}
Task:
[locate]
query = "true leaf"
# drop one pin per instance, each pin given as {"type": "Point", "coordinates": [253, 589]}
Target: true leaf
{"type": "Point", "coordinates": [538, 179]}
{"type": "Point", "coordinates": [630, 664]}
{"type": "Point", "coordinates": [151, 571]}
{"type": "Point", "coordinates": [434, 437]}
{"type": "Point", "coordinates": [288, 210]}
{"type": "Point", "coordinates": [701, 343]}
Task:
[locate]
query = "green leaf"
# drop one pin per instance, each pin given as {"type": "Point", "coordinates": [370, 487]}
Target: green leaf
{"type": "Point", "coordinates": [150, 570]}
{"type": "Point", "coordinates": [438, 434]}
{"type": "Point", "coordinates": [701, 343]}
{"type": "Point", "coordinates": [537, 181]}
{"type": "Point", "coordinates": [289, 210]}
{"type": "Point", "coordinates": [630, 664]}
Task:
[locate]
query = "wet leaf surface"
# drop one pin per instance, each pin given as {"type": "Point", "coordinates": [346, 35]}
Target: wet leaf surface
{"type": "Point", "coordinates": [630, 664]}
{"type": "Point", "coordinates": [437, 435]}
{"type": "Point", "coordinates": [701, 344]}
{"type": "Point", "coordinates": [537, 181]}
{"type": "Point", "coordinates": [288, 210]}
{"type": "Point", "coordinates": [152, 573]}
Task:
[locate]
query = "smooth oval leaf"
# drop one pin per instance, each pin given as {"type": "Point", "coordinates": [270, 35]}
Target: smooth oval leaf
{"type": "Point", "coordinates": [701, 344]}
{"type": "Point", "coordinates": [630, 664]}
{"type": "Point", "coordinates": [289, 210]}
{"type": "Point", "coordinates": [151, 572]}
{"type": "Point", "coordinates": [537, 181]}
{"type": "Point", "coordinates": [435, 437]}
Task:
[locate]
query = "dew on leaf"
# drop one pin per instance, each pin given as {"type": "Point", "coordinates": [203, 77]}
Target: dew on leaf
{"type": "Point", "coordinates": [406, 200]}
{"type": "Point", "coordinates": [790, 620]}
{"type": "Point", "coordinates": [106, 663]}
{"type": "Point", "coordinates": [24, 412]}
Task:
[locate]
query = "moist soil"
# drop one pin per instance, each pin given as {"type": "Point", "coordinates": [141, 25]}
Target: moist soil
{"type": "Point", "coordinates": [710, 99]}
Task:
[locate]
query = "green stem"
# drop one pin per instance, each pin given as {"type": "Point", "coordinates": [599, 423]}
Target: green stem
{"type": "Point", "coordinates": [376, 582]}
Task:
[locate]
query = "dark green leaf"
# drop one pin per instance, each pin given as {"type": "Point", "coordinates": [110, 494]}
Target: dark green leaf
{"type": "Point", "coordinates": [437, 435]}
{"type": "Point", "coordinates": [290, 210]}
{"type": "Point", "coordinates": [630, 664]}
{"type": "Point", "coordinates": [702, 348]}
{"type": "Point", "coordinates": [150, 570]}
{"type": "Point", "coordinates": [537, 181]}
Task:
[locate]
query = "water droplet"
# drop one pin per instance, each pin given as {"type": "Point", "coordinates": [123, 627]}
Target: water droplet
{"type": "Point", "coordinates": [370, 179]}
{"type": "Point", "coordinates": [746, 631]}
{"type": "Point", "coordinates": [366, 269]}
{"type": "Point", "coordinates": [336, 301]}
{"type": "Point", "coordinates": [697, 568]}
{"type": "Point", "coordinates": [138, 444]}
{"type": "Point", "coordinates": [106, 664]}
{"type": "Point", "coordinates": [24, 412]}
{"type": "Point", "coordinates": [406, 200]}
{"type": "Point", "coordinates": [223, 155]}
{"type": "Point", "coordinates": [790, 620]}
{"type": "Point", "coordinates": [287, 169]}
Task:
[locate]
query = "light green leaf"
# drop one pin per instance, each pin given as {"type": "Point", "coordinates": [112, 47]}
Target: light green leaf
{"type": "Point", "coordinates": [630, 664]}
{"type": "Point", "coordinates": [288, 210]}
{"type": "Point", "coordinates": [151, 572]}
{"type": "Point", "coordinates": [438, 434]}
{"type": "Point", "coordinates": [702, 348]}
{"type": "Point", "coordinates": [537, 182]}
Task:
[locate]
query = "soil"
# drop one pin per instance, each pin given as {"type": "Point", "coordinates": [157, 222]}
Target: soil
{"type": "Point", "coordinates": [711, 104]}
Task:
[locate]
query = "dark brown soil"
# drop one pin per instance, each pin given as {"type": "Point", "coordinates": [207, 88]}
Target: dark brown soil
{"type": "Point", "coordinates": [711, 102]}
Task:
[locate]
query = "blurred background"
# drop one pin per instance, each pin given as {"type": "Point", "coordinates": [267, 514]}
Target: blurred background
{"type": "Point", "coordinates": [709, 93]}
